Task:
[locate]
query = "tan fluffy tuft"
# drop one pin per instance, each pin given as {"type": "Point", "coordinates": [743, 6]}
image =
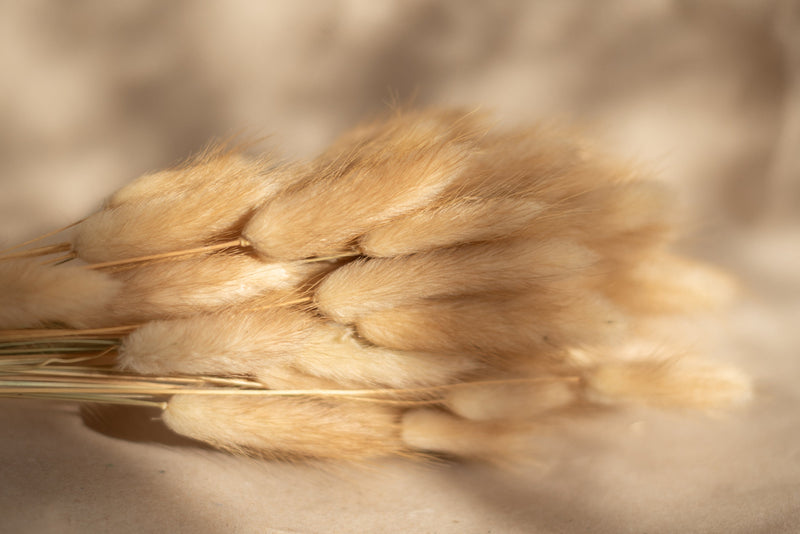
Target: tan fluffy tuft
{"type": "Point", "coordinates": [181, 218]}
{"type": "Point", "coordinates": [255, 343]}
{"type": "Point", "coordinates": [441, 432]}
{"type": "Point", "coordinates": [204, 284]}
{"type": "Point", "coordinates": [33, 295]}
{"type": "Point", "coordinates": [392, 170]}
{"type": "Point", "coordinates": [287, 428]}
{"type": "Point", "coordinates": [672, 383]}
{"type": "Point", "coordinates": [365, 286]}
{"type": "Point", "coordinates": [503, 326]}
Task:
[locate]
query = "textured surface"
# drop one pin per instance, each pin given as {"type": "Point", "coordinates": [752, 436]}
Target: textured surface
{"type": "Point", "coordinates": [706, 94]}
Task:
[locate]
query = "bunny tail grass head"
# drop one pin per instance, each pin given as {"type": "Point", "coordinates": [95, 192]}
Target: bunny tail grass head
{"type": "Point", "coordinates": [227, 189]}
{"type": "Point", "coordinates": [256, 343]}
{"type": "Point", "coordinates": [32, 294]}
{"type": "Point", "coordinates": [669, 284]}
{"type": "Point", "coordinates": [218, 166]}
{"type": "Point", "coordinates": [457, 222]}
{"type": "Point", "coordinates": [436, 431]}
{"type": "Point", "coordinates": [288, 428]}
{"type": "Point", "coordinates": [512, 401]}
{"type": "Point", "coordinates": [671, 383]}
{"type": "Point", "coordinates": [365, 286]}
{"type": "Point", "coordinates": [205, 284]}
{"type": "Point", "coordinates": [501, 327]}
{"type": "Point", "coordinates": [395, 169]}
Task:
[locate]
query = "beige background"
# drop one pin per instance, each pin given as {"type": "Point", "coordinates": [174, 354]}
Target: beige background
{"type": "Point", "coordinates": [706, 94]}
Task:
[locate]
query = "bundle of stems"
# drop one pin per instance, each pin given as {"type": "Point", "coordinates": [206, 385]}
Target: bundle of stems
{"type": "Point", "coordinates": [428, 284]}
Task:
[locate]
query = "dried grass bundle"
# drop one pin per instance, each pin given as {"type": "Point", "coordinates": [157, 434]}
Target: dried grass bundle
{"type": "Point", "coordinates": [429, 284]}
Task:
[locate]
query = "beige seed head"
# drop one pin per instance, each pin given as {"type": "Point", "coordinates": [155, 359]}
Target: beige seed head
{"type": "Point", "coordinates": [33, 295]}
{"type": "Point", "coordinates": [287, 428]}
{"type": "Point", "coordinates": [454, 223]}
{"type": "Point", "coordinates": [670, 383]}
{"type": "Point", "coordinates": [441, 432]}
{"type": "Point", "coordinates": [205, 284]}
{"type": "Point", "coordinates": [256, 343]}
{"type": "Point", "coordinates": [183, 219]}
{"type": "Point", "coordinates": [497, 328]}
{"type": "Point", "coordinates": [365, 286]}
{"type": "Point", "coordinates": [513, 401]}
{"type": "Point", "coordinates": [392, 170]}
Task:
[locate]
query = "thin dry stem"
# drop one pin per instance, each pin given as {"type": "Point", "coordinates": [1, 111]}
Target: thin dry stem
{"type": "Point", "coordinates": [61, 259]}
{"type": "Point", "coordinates": [39, 251]}
{"type": "Point", "coordinates": [43, 236]}
{"type": "Point", "coordinates": [243, 243]}
{"type": "Point", "coordinates": [55, 334]}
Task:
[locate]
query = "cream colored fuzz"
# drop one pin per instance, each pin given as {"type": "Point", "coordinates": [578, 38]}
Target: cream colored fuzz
{"type": "Point", "coordinates": [366, 286]}
{"type": "Point", "coordinates": [441, 432]}
{"type": "Point", "coordinates": [183, 219]}
{"type": "Point", "coordinates": [397, 168]}
{"type": "Point", "coordinates": [205, 284]}
{"type": "Point", "coordinates": [670, 383]}
{"type": "Point", "coordinates": [288, 428]}
{"type": "Point", "coordinates": [255, 343]}
{"type": "Point", "coordinates": [513, 401]}
{"type": "Point", "coordinates": [33, 295]}
{"type": "Point", "coordinates": [497, 327]}
{"type": "Point", "coordinates": [454, 223]}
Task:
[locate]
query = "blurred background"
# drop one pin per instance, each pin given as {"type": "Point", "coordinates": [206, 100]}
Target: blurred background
{"type": "Point", "coordinates": [703, 94]}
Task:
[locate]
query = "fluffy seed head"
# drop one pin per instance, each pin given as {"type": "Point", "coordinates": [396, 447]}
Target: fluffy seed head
{"type": "Point", "coordinates": [671, 383]}
{"type": "Point", "coordinates": [205, 284]}
{"type": "Point", "coordinates": [450, 224]}
{"type": "Point", "coordinates": [510, 401]}
{"type": "Point", "coordinates": [497, 328]}
{"type": "Point", "coordinates": [441, 432]}
{"type": "Point", "coordinates": [256, 343]}
{"type": "Point", "coordinates": [365, 286]}
{"type": "Point", "coordinates": [287, 428]}
{"type": "Point", "coordinates": [392, 170]}
{"type": "Point", "coordinates": [33, 295]}
{"type": "Point", "coordinates": [182, 217]}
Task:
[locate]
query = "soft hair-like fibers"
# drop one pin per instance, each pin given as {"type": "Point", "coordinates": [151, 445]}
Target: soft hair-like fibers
{"type": "Point", "coordinates": [432, 283]}
{"type": "Point", "coordinates": [365, 286]}
{"type": "Point", "coordinates": [32, 294]}
{"type": "Point", "coordinates": [205, 284]}
{"type": "Point", "coordinates": [392, 170]}
{"type": "Point", "coordinates": [182, 218]}
{"type": "Point", "coordinates": [287, 428]}
{"type": "Point", "coordinates": [254, 343]}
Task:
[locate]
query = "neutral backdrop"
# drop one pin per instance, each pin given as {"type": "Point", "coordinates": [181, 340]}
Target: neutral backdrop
{"type": "Point", "coordinates": [704, 94]}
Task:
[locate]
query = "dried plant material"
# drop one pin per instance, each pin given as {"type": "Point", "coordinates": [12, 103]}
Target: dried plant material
{"type": "Point", "coordinates": [436, 431]}
{"type": "Point", "coordinates": [402, 166]}
{"type": "Point", "coordinates": [506, 280]}
{"type": "Point", "coordinates": [205, 284]}
{"type": "Point", "coordinates": [33, 295]}
{"type": "Point", "coordinates": [287, 428]}
{"type": "Point", "coordinates": [672, 383]}
{"type": "Point", "coordinates": [253, 344]}
{"type": "Point", "coordinates": [183, 217]}
{"type": "Point", "coordinates": [497, 326]}
{"type": "Point", "coordinates": [463, 221]}
{"type": "Point", "coordinates": [628, 217]}
{"type": "Point", "coordinates": [364, 286]}
{"type": "Point", "coordinates": [542, 163]}
{"type": "Point", "coordinates": [514, 401]}
{"type": "Point", "coordinates": [670, 284]}
{"type": "Point", "coordinates": [216, 168]}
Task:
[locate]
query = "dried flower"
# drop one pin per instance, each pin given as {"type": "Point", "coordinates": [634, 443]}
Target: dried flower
{"type": "Point", "coordinates": [427, 284]}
